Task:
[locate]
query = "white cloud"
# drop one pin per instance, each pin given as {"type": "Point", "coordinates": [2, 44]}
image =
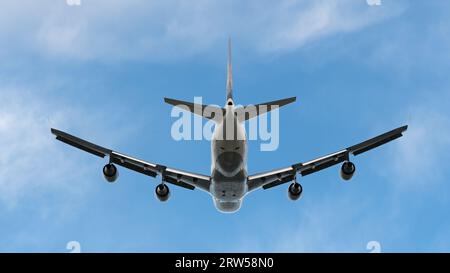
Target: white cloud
{"type": "Point", "coordinates": [33, 165]}
{"type": "Point", "coordinates": [28, 152]}
{"type": "Point", "coordinates": [319, 226]}
{"type": "Point", "coordinates": [110, 30]}
{"type": "Point", "coordinates": [296, 23]}
{"type": "Point", "coordinates": [420, 157]}
{"type": "Point", "coordinates": [411, 44]}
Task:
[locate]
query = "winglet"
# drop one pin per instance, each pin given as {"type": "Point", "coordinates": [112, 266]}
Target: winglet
{"type": "Point", "coordinates": [229, 73]}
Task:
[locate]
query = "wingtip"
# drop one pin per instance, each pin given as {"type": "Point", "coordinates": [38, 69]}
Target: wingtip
{"type": "Point", "coordinates": [291, 100]}
{"type": "Point", "coordinates": [401, 129]}
{"type": "Point", "coordinates": [169, 100]}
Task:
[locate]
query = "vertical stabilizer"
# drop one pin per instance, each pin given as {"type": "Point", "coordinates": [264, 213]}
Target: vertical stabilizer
{"type": "Point", "coordinates": [229, 73]}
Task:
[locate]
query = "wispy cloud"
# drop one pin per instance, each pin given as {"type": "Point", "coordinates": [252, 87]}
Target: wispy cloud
{"type": "Point", "coordinates": [293, 24]}
{"type": "Point", "coordinates": [420, 158]}
{"type": "Point", "coordinates": [176, 29]}
{"type": "Point", "coordinates": [316, 226]}
{"type": "Point", "coordinates": [28, 154]}
{"type": "Point", "coordinates": [411, 45]}
{"type": "Point", "coordinates": [32, 163]}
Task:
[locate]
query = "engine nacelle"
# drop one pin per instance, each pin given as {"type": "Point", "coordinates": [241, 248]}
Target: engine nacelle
{"type": "Point", "coordinates": [347, 170]}
{"type": "Point", "coordinates": [295, 191]}
{"type": "Point", "coordinates": [162, 192]}
{"type": "Point", "coordinates": [110, 172]}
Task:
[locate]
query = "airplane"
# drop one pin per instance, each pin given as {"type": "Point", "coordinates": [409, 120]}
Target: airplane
{"type": "Point", "coordinates": [229, 181]}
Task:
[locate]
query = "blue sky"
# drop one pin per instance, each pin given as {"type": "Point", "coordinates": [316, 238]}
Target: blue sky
{"type": "Point", "coordinates": [101, 69]}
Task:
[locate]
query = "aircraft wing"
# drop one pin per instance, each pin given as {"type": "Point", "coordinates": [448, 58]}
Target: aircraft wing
{"type": "Point", "coordinates": [277, 177]}
{"type": "Point", "coordinates": [176, 177]}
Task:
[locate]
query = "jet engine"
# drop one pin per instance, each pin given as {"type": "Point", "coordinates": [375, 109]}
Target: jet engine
{"type": "Point", "coordinates": [295, 191]}
{"type": "Point", "coordinates": [110, 172]}
{"type": "Point", "coordinates": [347, 170]}
{"type": "Point", "coordinates": [162, 192]}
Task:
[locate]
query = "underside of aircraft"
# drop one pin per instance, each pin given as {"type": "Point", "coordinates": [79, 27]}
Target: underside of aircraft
{"type": "Point", "coordinates": [229, 181]}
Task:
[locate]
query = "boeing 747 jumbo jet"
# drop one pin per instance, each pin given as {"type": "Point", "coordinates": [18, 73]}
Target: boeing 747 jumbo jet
{"type": "Point", "coordinates": [229, 181]}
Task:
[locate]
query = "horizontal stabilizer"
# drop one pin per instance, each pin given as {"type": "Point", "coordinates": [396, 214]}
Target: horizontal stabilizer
{"type": "Point", "coordinates": [251, 111]}
{"type": "Point", "coordinates": [206, 111]}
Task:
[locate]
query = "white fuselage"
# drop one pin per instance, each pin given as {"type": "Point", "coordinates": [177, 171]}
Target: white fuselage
{"type": "Point", "coordinates": [229, 162]}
